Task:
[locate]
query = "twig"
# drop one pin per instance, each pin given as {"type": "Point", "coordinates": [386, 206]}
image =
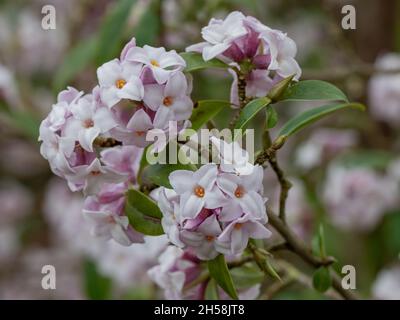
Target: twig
{"type": "Point", "coordinates": [296, 245]}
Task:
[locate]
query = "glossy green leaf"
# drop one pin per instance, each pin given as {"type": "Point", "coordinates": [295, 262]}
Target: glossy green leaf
{"type": "Point", "coordinates": [310, 116]}
{"type": "Point", "coordinates": [272, 117]}
{"type": "Point", "coordinates": [250, 111]}
{"type": "Point", "coordinates": [143, 213]}
{"type": "Point", "coordinates": [322, 279]}
{"type": "Point", "coordinates": [219, 271]}
{"type": "Point", "coordinates": [159, 173]}
{"type": "Point", "coordinates": [205, 111]}
{"type": "Point", "coordinates": [75, 61]}
{"type": "Point", "coordinates": [280, 88]}
{"type": "Point", "coordinates": [144, 203]}
{"type": "Point", "coordinates": [112, 31]}
{"type": "Point", "coordinates": [97, 286]}
{"type": "Point", "coordinates": [195, 62]}
{"type": "Point", "coordinates": [313, 90]}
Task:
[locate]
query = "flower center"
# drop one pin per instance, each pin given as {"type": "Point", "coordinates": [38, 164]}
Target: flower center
{"type": "Point", "coordinates": [140, 133]}
{"type": "Point", "coordinates": [154, 63]}
{"type": "Point", "coordinates": [120, 83]}
{"type": "Point", "coordinates": [210, 238]}
{"type": "Point", "coordinates": [238, 226]}
{"type": "Point", "coordinates": [88, 123]}
{"type": "Point", "coordinates": [168, 101]}
{"type": "Point", "coordinates": [239, 192]}
{"type": "Point", "coordinates": [199, 191]}
{"type": "Point", "coordinates": [95, 173]}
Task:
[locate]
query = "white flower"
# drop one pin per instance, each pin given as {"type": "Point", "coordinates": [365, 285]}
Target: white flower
{"type": "Point", "coordinates": [232, 158]}
{"type": "Point", "coordinates": [161, 62]}
{"type": "Point", "coordinates": [56, 150]}
{"type": "Point", "coordinates": [197, 190]}
{"type": "Point", "coordinates": [167, 200]}
{"type": "Point", "coordinates": [170, 102]}
{"type": "Point", "coordinates": [219, 35]}
{"type": "Point", "coordinates": [88, 121]}
{"type": "Point", "coordinates": [108, 225]}
{"type": "Point", "coordinates": [120, 80]}
{"type": "Point", "coordinates": [204, 240]}
{"type": "Point", "coordinates": [91, 177]}
{"type": "Point", "coordinates": [283, 50]}
{"type": "Point", "coordinates": [244, 197]}
{"type": "Point", "coordinates": [164, 276]}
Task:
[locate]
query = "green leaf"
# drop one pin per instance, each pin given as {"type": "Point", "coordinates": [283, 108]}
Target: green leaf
{"type": "Point", "coordinates": [143, 213]}
{"type": "Point", "coordinates": [247, 275]}
{"type": "Point", "coordinates": [148, 28]}
{"type": "Point", "coordinates": [249, 112]}
{"type": "Point", "coordinates": [219, 271]}
{"type": "Point", "coordinates": [144, 204]}
{"type": "Point", "coordinates": [321, 241]}
{"type": "Point", "coordinates": [272, 117]}
{"type": "Point", "coordinates": [312, 115]}
{"type": "Point", "coordinates": [112, 30]}
{"type": "Point", "coordinates": [97, 286]}
{"type": "Point", "coordinates": [75, 61]}
{"type": "Point", "coordinates": [322, 279]}
{"type": "Point", "coordinates": [212, 290]}
{"type": "Point", "coordinates": [313, 90]}
{"type": "Point", "coordinates": [159, 173]}
{"type": "Point", "coordinates": [194, 62]}
{"type": "Point", "coordinates": [206, 110]}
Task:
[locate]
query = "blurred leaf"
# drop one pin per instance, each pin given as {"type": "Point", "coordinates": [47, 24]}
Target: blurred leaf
{"type": "Point", "coordinates": [272, 117]}
{"type": "Point", "coordinates": [26, 122]}
{"type": "Point", "coordinates": [148, 28]}
{"type": "Point", "coordinates": [206, 110]}
{"type": "Point", "coordinates": [249, 112]}
{"type": "Point", "coordinates": [313, 90]}
{"type": "Point", "coordinates": [390, 233]}
{"type": "Point", "coordinates": [310, 116]}
{"type": "Point", "coordinates": [220, 272]}
{"type": "Point", "coordinates": [247, 276]}
{"type": "Point", "coordinates": [75, 61]}
{"type": "Point", "coordinates": [212, 290]}
{"type": "Point", "coordinates": [377, 159]}
{"type": "Point", "coordinates": [141, 212]}
{"type": "Point", "coordinates": [321, 241]}
{"type": "Point", "coordinates": [97, 286]}
{"type": "Point", "coordinates": [322, 279]}
{"type": "Point", "coordinates": [112, 31]}
{"type": "Point", "coordinates": [159, 173]}
{"type": "Point", "coordinates": [194, 62]}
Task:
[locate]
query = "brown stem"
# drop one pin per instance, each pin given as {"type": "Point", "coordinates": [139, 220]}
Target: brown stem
{"type": "Point", "coordinates": [296, 245]}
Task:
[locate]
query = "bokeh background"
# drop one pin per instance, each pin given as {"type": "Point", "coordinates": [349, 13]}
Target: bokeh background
{"type": "Point", "coordinates": [345, 170]}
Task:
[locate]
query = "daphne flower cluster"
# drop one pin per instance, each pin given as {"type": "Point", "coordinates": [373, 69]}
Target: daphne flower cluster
{"type": "Point", "coordinates": [264, 55]}
{"type": "Point", "coordinates": [214, 209]}
{"type": "Point", "coordinates": [143, 90]}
